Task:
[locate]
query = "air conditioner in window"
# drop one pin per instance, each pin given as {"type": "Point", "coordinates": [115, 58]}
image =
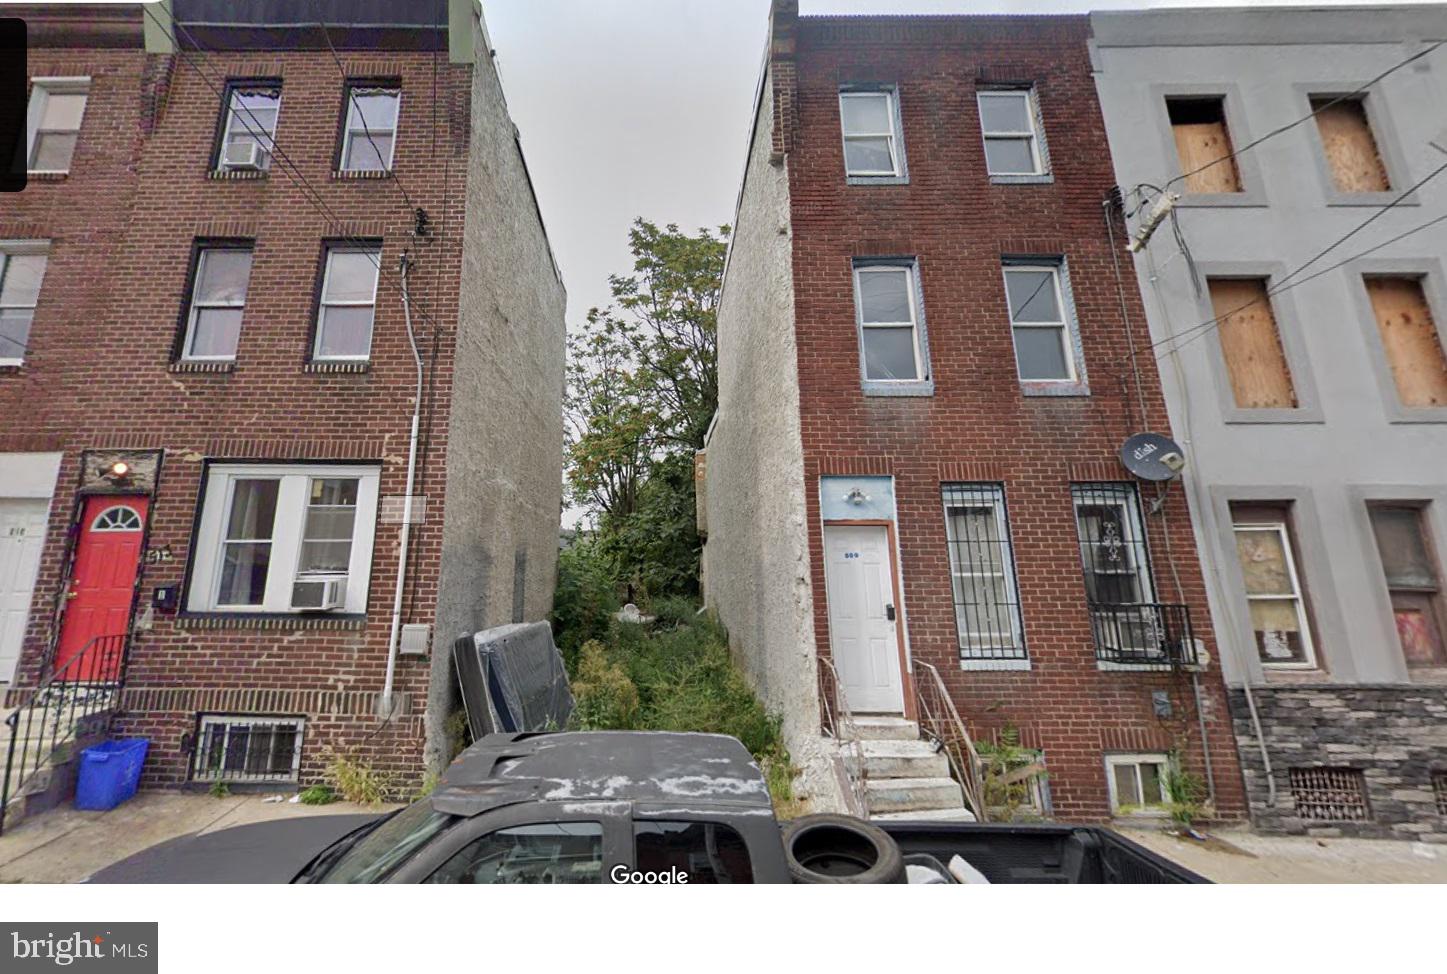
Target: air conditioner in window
{"type": "Point", "coordinates": [241, 155]}
{"type": "Point", "coordinates": [324, 593]}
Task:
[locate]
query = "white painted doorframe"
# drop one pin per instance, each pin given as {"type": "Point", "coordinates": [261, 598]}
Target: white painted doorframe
{"type": "Point", "coordinates": [864, 616]}
{"type": "Point", "coordinates": [22, 537]}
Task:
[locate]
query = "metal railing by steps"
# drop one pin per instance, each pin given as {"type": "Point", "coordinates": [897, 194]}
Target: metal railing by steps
{"type": "Point", "coordinates": [837, 721]}
{"type": "Point", "coordinates": [84, 690]}
{"type": "Point", "coordinates": [940, 721]}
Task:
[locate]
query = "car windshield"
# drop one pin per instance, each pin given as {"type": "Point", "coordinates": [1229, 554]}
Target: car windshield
{"type": "Point", "coordinates": [388, 845]}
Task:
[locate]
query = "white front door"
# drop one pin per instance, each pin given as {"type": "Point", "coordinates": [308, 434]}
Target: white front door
{"type": "Point", "coordinates": [22, 534]}
{"type": "Point", "coordinates": [862, 614]}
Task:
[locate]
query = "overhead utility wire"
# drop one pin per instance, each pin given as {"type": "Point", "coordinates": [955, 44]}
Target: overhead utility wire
{"type": "Point", "coordinates": [1306, 118]}
{"type": "Point", "coordinates": [290, 170]}
{"type": "Point", "coordinates": [1183, 338]}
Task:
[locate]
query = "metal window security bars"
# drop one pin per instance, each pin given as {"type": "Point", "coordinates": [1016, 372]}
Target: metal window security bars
{"type": "Point", "coordinates": [245, 749]}
{"type": "Point", "coordinates": [1329, 794]}
{"type": "Point", "coordinates": [1128, 625]}
{"type": "Point", "coordinates": [982, 573]}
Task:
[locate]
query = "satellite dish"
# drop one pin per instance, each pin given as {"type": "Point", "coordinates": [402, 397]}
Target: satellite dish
{"type": "Point", "coordinates": [1151, 456]}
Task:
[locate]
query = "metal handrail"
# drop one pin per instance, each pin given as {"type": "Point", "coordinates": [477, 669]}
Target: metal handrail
{"type": "Point", "coordinates": [837, 721]}
{"type": "Point", "coordinates": [86, 684]}
{"type": "Point", "coordinates": [939, 720]}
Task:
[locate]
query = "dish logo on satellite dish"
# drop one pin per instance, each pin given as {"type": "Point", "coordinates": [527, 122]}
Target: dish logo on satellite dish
{"type": "Point", "coordinates": [1151, 456]}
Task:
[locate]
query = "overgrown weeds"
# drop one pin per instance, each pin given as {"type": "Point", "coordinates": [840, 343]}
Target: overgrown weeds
{"type": "Point", "coordinates": [356, 780]}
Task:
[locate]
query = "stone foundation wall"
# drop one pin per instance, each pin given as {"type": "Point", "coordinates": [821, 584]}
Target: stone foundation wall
{"type": "Point", "coordinates": [1396, 735]}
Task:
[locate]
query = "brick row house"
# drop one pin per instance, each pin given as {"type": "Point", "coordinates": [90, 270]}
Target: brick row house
{"type": "Point", "coordinates": [281, 379]}
{"type": "Point", "coordinates": [929, 361]}
{"type": "Point", "coordinates": [1311, 394]}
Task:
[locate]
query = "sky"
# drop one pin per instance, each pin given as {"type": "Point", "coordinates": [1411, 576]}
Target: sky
{"type": "Point", "coordinates": [634, 108]}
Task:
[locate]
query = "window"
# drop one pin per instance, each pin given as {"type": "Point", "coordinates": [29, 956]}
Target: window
{"type": "Point", "coordinates": [248, 749]}
{"type": "Point", "coordinates": [1203, 144]}
{"type": "Point", "coordinates": [982, 572]}
{"type": "Point", "coordinates": [1273, 588]}
{"type": "Point", "coordinates": [1329, 794]}
{"type": "Point", "coordinates": [562, 852]}
{"type": "Point", "coordinates": [1010, 125]}
{"type": "Point", "coordinates": [708, 853]}
{"type": "Point", "coordinates": [371, 129]}
{"type": "Point", "coordinates": [1351, 149]}
{"type": "Point", "coordinates": [284, 538]}
{"type": "Point", "coordinates": [1410, 340]}
{"type": "Point", "coordinates": [1043, 348]}
{"type": "Point", "coordinates": [373, 857]}
{"type": "Point", "coordinates": [218, 296]}
{"type": "Point", "coordinates": [887, 299]}
{"type": "Point", "coordinates": [249, 129]}
{"type": "Point", "coordinates": [873, 145]}
{"type": "Point", "coordinates": [119, 518]}
{"type": "Point", "coordinates": [1137, 783]}
{"type": "Point", "coordinates": [1251, 344]}
{"type": "Point", "coordinates": [57, 106]}
{"type": "Point", "coordinates": [1412, 580]}
{"type": "Point", "coordinates": [349, 296]}
{"type": "Point", "coordinates": [22, 268]}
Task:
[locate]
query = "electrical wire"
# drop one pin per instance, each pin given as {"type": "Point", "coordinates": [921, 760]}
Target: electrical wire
{"type": "Point", "coordinates": [1308, 117]}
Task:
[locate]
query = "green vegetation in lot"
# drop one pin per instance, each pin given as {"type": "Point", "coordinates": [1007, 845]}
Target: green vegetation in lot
{"type": "Point", "coordinates": [675, 673]}
{"type": "Point", "coordinates": [317, 795]}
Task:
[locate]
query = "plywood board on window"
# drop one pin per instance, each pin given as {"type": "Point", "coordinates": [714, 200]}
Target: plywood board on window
{"type": "Point", "coordinates": [1351, 149]}
{"type": "Point", "coordinates": [1255, 362]}
{"type": "Point", "coordinates": [1204, 148]}
{"type": "Point", "coordinates": [1410, 340]}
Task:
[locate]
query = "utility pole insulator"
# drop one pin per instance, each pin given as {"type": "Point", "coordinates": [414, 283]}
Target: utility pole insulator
{"type": "Point", "coordinates": [1159, 212]}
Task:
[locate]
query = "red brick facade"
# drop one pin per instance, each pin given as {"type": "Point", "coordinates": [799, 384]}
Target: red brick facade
{"type": "Point", "coordinates": [100, 373]}
{"type": "Point", "coordinates": [977, 426]}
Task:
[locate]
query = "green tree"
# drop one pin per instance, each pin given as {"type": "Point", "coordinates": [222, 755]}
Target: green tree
{"type": "Point", "coordinates": [642, 389]}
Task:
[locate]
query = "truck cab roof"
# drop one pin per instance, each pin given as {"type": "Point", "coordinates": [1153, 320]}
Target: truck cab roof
{"type": "Point", "coordinates": [640, 767]}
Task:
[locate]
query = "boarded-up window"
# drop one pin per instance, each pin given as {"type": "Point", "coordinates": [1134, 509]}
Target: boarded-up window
{"type": "Point", "coordinates": [1260, 377]}
{"type": "Point", "coordinates": [1351, 150]}
{"type": "Point", "coordinates": [1410, 340]}
{"type": "Point", "coordinates": [1203, 143]}
{"type": "Point", "coordinates": [1274, 593]}
{"type": "Point", "coordinates": [1412, 580]}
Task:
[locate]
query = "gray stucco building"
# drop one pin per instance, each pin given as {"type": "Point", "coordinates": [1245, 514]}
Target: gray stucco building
{"type": "Point", "coordinates": [1310, 391]}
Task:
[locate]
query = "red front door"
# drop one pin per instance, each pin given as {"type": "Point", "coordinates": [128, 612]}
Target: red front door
{"type": "Point", "coordinates": [102, 586]}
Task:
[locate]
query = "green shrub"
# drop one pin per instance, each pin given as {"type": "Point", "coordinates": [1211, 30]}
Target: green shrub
{"type": "Point", "coordinates": [1186, 791]}
{"type": "Point", "coordinates": [1008, 774]}
{"type": "Point", "coordinates": [357, 781]}
{"type": "Point", "coordinates": [605, 698]}
{"type": "Point", "coordinates": [585, 600]}
{"type": "Point", "coordinates": [317, 795]}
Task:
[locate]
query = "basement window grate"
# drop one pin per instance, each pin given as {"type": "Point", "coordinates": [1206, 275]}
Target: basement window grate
{"type": "Point", "coordinates": [1439, 788]}
{"type": "Point", "coordinates": [1329, 794]}
{"type": "Point", "coordinates": [245, 749]}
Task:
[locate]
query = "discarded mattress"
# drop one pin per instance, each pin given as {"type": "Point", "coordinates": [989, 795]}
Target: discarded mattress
{"type": "Point", "coordinates": [513, 680]}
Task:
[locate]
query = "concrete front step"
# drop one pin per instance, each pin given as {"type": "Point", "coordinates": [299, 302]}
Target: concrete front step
{"type": "Point", "coordinates": [886, 729]}
{"type": "Point", "coordinates": [903, 759]}
{"type": "Point", "coordinates": [933, 815]}
{"type": "Point", "coordinates": [913, 794]}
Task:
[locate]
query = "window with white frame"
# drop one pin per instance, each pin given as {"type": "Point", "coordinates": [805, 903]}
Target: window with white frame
{"type": "Point", "coordinates": [249, 132]}
{"type": "Point", "coordinates": [1044, 351]}
{"type": "Point", "coordinates": [368, 142]}
{"type": "Point", "coordinates": [872, 139]}
{"type": "Point", "coordinates": [248, 748]}
{"type": "Point", "coordinates": [218, 298]}
{"type": "Point", "coordinates": [982, 572]}
{"type": "Point", "coordinates": [57, 106]}
{"type": "Point", "coordinates": [349, 298]}
{"type": "Point", "coordinates": [280, 538]}
{"type": "Point", "coordinates": [1138, 783]}
{"type": "Point", "coordinates": [888, 308]}
{"type": "Point", "coordinates": [1011, 130]}
{"type": "Point", "coordinates": [22, 269]}
{"type": "Point", "coordinates": [1274, 595]}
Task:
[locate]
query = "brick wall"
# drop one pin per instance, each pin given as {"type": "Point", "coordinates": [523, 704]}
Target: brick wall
{"type": "Point", "coordinates": [977, 425]}
{"type": "Point", "coordinates": [122, 227]}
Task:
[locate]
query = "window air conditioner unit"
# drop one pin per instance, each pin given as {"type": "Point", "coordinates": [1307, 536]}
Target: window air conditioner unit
{"type": "Point", "coordinates": [241, 155]}
{"type": "Point", "coordinates": [319, 594]}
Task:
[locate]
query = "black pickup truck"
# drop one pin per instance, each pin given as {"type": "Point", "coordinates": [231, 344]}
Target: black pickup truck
{"type": "Point", "coordinates": [632, 807]}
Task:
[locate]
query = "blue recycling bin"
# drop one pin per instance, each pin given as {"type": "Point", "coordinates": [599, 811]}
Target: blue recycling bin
{"type": "Point", "coordinates": [109, 773]}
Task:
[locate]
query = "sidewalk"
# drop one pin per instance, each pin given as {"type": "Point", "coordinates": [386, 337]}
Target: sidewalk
{"type": "Point", "coordinates": [66, 846]}
{"type": "Point", "coordinates": [1239, 856]}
